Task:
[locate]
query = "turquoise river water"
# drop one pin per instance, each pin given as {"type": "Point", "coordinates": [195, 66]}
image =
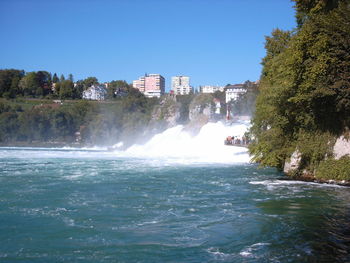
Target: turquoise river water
{"type": "Point", "coordinates": [71, 205]}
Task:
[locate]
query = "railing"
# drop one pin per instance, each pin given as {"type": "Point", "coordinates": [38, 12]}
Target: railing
{"type": "Point", "coordinates": [231, 141]}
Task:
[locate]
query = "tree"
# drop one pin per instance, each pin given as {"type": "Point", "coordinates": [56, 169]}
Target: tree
{"type": "Point", "coordinates": [117, 88]}
{"type": "Point", "coordinates": [62, 78]}
{"type": "Point", "coordinates": [45, 83]}
{"type": "Point", "coordinates": [36, 84]}
{"type": "Point", "coordinates": [88, 82]}
{"type": "Point", "coordinates": [29, 84]}
{"type": "Point", "coordinates": [307, 8]}
{"type": "Point", "coordinates": [70, 77]}
{"type": "Point", "coordinates": [78, 89]}
{"type": "Point", "coordinates": [305, 86]}
{"type": "Point", "coordinates": [275, 44]}
{"type": "Point", "coordinates": [55, 79]}
{"type": "Point", "coordinates": [9, 81]}
{"type": "Point", "coordinates": [66, 89]}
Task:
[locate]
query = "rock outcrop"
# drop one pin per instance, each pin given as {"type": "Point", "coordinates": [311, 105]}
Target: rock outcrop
{"type": "Point", "coordinates": [168, 112]}
{"type": "Point", "coordinates": [292, 165]}
{"type": "Point", "coordinates": [201, 105]}
{"type": "Point", "coordinates": [341, 147]}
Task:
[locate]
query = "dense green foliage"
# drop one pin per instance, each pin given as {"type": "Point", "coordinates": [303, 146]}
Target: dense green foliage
{"type": "Point", "coordinates": [40, 84]}
{"type": "Point", "coordinates": [98, 123]}
{"type": "Point", "coordinates": [35, 84]}
{"type": "Point", "coordinates": [314, 146]}
{"type": "Point", "coordinates": [334, 169]}
{"type": "Point", "coordinates": [304, 98]}
{"type": "Point", "coordinates": [9, 82]}
{"type": "Point", "coordinates": [118, 88]}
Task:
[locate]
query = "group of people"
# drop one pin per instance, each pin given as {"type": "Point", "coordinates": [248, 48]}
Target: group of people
{"type": "Point", "coordinates": [235, 140]}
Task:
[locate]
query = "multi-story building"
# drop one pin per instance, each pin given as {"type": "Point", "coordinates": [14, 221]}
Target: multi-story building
{"type": "Point", "coordinates": [181, 85]}
{"type": "Point", "coordinates": [211, 89]}
{"type": "Point", "coordinates": [95, 92]}
{"type": "Point", "coordinates": [152, 85]}
{"type": "Point", "coordinates": [232, 92]}
{"type": "Point", "coordinates": [139, 84]}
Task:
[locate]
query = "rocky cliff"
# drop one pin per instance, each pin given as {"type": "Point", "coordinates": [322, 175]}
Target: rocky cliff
{"type": "Point", "coordinates": [294, 165]}
{"type": "Point", "coordinates": [167, 113]}
{"type": "Point", "coordinates": [341, 147]}
{"type": "Point", "coordinates": [201, 105]}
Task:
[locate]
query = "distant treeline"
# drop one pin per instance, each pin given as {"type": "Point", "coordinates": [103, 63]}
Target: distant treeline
{"type": "Point", "coordinates": [42, 84]}
{"type": "Point", "coordinates": [34, 121]}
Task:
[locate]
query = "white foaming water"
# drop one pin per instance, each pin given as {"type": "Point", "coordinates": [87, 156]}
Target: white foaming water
{"type": "Point", "coordinates": [174, 145]}
{"type": "Point", "coordinates": [177, 145]}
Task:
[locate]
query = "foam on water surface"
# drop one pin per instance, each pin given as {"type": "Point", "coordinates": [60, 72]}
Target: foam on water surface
{"type": "Point", "coordinates": [174, 145]}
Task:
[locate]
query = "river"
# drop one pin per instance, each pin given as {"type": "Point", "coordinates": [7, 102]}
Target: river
{"type": "Point", "coordinates": [150, 204]}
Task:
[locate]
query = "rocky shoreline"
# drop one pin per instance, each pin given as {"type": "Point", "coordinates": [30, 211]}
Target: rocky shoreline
{"type": "Point", "coordinates": [311, 178]}
{"type": "Point", "coordinates": [293, 166]}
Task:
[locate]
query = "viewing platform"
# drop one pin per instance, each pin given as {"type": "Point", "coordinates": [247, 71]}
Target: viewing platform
{"type": "Point", "coordinates": [236, 141]}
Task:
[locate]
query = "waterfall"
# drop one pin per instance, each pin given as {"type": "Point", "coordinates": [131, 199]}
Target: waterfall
{"type": "Point", "coordinates": [207, 146]}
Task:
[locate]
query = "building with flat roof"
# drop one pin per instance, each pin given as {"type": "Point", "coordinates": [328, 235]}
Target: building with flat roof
{"type": "Point", "coordinates": [181, 85]}
{"type": "Point", "coordinates": [232, 92]}
{"type": "Point", "coordinates": [139, 84]}
{"type": "Point", "coordinates": [152, 85]}
{"type": "Point", "coordinates": [210, 89]}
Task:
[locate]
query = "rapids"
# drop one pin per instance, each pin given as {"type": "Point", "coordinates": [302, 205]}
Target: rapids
{"type": "Point", "coordinates": [176, 198]}
{"type": "Point", "coordinates": [207, 146]}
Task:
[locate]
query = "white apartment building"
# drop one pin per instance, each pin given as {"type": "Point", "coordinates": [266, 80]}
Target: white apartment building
{"type": "Point", "coordinates": [95, 93]}
{"type": "Point", "coordinates": [181, 85]}
{"type": "Point", "coordinates": [232, 92]}
{"type": "Point", "coordinates": [211, 89]}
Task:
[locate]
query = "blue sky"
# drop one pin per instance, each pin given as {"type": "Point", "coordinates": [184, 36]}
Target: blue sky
{"type": "Point", "coordinates": [215, 42]}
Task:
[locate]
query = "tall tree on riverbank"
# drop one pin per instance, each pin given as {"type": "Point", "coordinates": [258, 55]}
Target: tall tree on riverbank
{"type": "Point", "coordinates": [305, 83]}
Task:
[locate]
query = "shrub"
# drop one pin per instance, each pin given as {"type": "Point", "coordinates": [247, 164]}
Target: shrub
{"type": "Point", "coordinates": [332, 169]}
{"type": "Point", "coordinates": [314, 147]}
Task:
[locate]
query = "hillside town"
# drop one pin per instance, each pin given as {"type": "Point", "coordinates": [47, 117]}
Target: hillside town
{"type": "Point", "coordinates": [153, 85]}
{"type": "Point", "coordinates": [40, 107]}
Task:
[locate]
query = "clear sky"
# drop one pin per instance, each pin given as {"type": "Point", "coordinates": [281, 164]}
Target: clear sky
{"type": "Point", "coordinates": [215, 42]}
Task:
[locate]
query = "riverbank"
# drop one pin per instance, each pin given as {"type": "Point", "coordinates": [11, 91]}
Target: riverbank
{"type": "Point", "coordinates": [43, 144]}
{"type": "Point", "coordinates": [313, 179]}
